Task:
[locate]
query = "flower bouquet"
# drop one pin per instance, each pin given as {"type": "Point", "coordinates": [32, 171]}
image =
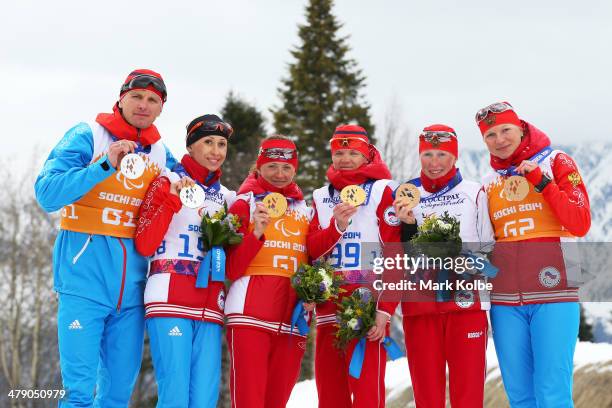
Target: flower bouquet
{"type": "Point", "coordinates": [316, 283]}
{"type": "Point", "coordinates": [221, 229]}
{"type": "Point", "coordinates": [217, 231]}
{"type": "Point", "coordinates": [438, 236]}
{"type": "Point", "coordinates": [356, 315]}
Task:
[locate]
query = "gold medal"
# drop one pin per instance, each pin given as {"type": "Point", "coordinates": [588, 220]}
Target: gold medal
{"type": "Point", "coordinates": [516, 188]}
{"type": "Point", "coordinates": [408, 194]}
{"type": "Point", "coordinates": [353, 195]}
{"type": "Point", "coordinates": [276, 204]}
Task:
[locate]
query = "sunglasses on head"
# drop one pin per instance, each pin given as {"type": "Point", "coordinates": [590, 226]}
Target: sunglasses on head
{"type": "Point", "coordinates": [142, 81]}
{"type": "Point", "coordinates": [278, 153]}
{"type": "Point", "coordinates": [211, 126]}
{"type": "Point", "coordinates": [497, 107]}
{"type": "Point", "coordinates": [436, 137]}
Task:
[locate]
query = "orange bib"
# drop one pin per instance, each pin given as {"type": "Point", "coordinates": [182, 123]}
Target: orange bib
{"type": "Point", "coordinates": [111, 207]}
{"type": "Point", "coordinates": [531, 217]}
{"type": "Point", "coordinates": [285, 246]}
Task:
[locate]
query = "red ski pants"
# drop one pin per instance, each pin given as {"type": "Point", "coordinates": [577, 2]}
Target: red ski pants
{"type": "Point", "coordinates": [458, 339]}
{"type": "Point", "coordinates": [264, 367]}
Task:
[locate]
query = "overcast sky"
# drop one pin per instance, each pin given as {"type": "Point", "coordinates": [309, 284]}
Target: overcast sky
{"type": "Point", "coordinates": [62, 62]}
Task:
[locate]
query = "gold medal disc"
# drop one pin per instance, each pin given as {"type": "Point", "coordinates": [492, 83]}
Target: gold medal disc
{"type": "Point", "coordinates": [276, 204]}
{"type": "Point", "coordinates": [353, 195]}
{"type": "Point", "coordinates": [516, 188]}
{"type": "Point", "coordinates": [408, 194]}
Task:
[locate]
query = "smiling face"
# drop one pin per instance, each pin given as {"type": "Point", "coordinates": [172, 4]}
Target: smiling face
{"type": "Point", "coordinates": [436, 163]}
{"type": "Point", "coordinates": [140, 107]}
{"type": "Point", "coordinates": [209, 151]}
{"type": "Point", "coordinates": [279, 174]}
{"type": "Point", "coordinates": [347, 159]}
{"type": "Point", "coordinates": [502, 140]}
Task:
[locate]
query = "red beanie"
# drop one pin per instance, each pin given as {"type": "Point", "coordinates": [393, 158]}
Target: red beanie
{"type": "Point", "coordinates": [277, 150]}
{"type": "Point", "coordinates": [440, 137]}
{"type": "Point", "coordinates": [351, 137]}
{"type": "Point", "coordinates": [144, 79]}
{"type": "Point", "coordinates": [496, 114]}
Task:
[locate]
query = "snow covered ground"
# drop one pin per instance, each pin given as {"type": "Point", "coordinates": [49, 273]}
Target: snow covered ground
{"type": "Point", "coordinates": [397, 378]}
{"type": "Point", "coordinates": [599, 314]}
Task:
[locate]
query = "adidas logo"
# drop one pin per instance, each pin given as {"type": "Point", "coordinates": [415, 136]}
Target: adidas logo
{"type": "Point", "coordinates": [474, 335]}
{"type": "Point", "coordinates": [75, 326]}
{"type": "Point", "coordinates": [175, 331]}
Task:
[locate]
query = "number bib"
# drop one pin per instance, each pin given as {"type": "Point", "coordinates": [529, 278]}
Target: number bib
{"type": "Point", "coordinates": [360, 240]}
{"type": "Point", "coordinates": [111, 207]}
{"type": "Point", "coordinates": [285, 245]}
{"type": "Point", "coordinates": [183, 240]}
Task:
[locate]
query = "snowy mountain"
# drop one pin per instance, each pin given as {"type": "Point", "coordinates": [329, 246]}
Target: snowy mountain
{"type": "Point", "coordinates": [592, 378]}
{"type": "Point", "coordinates": [595, 164]}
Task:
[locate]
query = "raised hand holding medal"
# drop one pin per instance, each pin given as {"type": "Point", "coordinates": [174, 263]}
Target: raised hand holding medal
{"type": "Point", "coordinates": [132, 166]}
{"type": "Point", "coordinates": [276, 204]}
{"type": "Point", "coordinates": [516, 187]}
{"type": "Point", "coordinates": [192, 196]}
{"type": "Point", "coordinates": [353, 195]}
{"type": "Point", "coordinates": [408, 195]}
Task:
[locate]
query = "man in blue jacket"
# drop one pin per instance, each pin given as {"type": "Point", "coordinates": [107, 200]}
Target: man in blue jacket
{"type": "Point", "coordinates": [98, 275]}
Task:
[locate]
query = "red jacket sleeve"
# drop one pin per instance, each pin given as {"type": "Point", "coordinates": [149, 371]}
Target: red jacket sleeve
{"type": "Point", "coordinates": [320, 241]}
{"type": "Point", "coordinates": [156, 212]}
{"type": "Point", "coordinates": [389, 230]}
{"type": "Point", "coordinates": [566, 194]}
{"type": "Point", "coordinates": [240, 256]}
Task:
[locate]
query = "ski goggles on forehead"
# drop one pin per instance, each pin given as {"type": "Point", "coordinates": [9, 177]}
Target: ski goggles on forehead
{"type": "Point", "coordinates": [437, 136]}
{"type": "Point", "coordinates": [223, 128]}
{"type": "Point", "coordinates": [498, 107]}
{"type": "Point", "coordinates": [277, 153]}
{"type": "Point", "coordinates": [143, 81]}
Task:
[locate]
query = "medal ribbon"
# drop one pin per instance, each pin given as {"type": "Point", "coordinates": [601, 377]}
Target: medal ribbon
{"type": "Point", "coordinates": [298, 319]}
{"type": "Point", "coordinates": [213, 264]}
{"type": "Point", "coordinates": [393, 351]}
{"type": "Point", "coordinates": [451, 184]}
{"type": "Point", "coordinates": [538, 158]}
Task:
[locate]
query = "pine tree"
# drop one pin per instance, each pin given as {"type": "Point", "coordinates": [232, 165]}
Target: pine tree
{"type": "Point", "coordinates": [321, 92]}
{"type": "Point", "coordinates": [585, 330]}
{"type": "Point", "coordinates": [248, 124]}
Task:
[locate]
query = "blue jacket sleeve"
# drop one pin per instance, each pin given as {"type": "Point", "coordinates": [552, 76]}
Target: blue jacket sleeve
{"type": "Point", "coordinates": [67, 175]}
{"type": "Point", "coordinates": [170, 160]}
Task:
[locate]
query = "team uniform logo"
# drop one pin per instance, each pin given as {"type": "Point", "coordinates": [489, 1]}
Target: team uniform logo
{"type": "Point", "coordinates": [464, 298]}
{"type": "Point", "coordinates": [550, 277]}
{"type": "Point", "coordinates": [574, 178]}
{"type": "Point", "coordinates": [221, 300]}
{"type": "Point", "coordinates": [280, 226]}
{"type": "Point", "coordinates": [390, 217]}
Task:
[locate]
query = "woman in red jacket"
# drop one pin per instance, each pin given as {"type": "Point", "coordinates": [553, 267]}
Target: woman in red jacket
{"type": "Point", "coordinates": [538, 204]}
{"type": "Point", "coordinates": [265, 353]}
{"type": "Point", "coordinates": [184, 321]}
{"type": "Point", "coordinates": [338, 231]}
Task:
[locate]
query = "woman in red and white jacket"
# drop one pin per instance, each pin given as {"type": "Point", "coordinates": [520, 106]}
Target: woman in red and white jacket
{"type": "Point", "coordinates": [185, 322]}
{"type": "Point", "coordinates": [538, 205]}
{"type": "Point", "coordinates": [338, 231]}
{"type": "Point", "coordinates": [265, 352]}
{"type": "Point", "coordinates": [452, 329]}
